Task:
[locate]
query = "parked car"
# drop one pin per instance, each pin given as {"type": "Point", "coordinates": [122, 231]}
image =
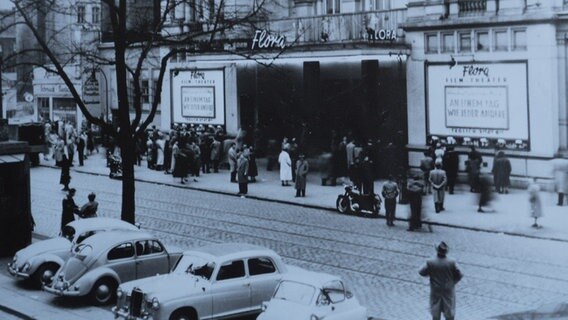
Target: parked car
{"type": "Point", "coordinates": [212, 282]}
{"type": "Point", "coordinates": [102, 262]}
{"type": "Point", "coordinates": [39, 261]}
{"type": "Point", "coordinates": [307, 295]}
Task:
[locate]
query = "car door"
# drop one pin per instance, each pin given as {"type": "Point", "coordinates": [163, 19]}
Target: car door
{"type": "Point", "coordinates": [151, 259]}
{"type": "Point", "coordinates": [263, 279]}
{"type": "Point", "coordinates": [231, 289]}
{"type": "Point", "coordinates": [121, 259]}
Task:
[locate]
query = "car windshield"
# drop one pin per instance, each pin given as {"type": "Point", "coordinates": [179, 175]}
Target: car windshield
{"type": "Point", "coordinates": [68, 232]}
{"type": "Point", "coordinates": [296, 292]}
{"type": "Point", "coordinates": [82, 251]}
{"type": "Point", "coordinates": [196, 266]}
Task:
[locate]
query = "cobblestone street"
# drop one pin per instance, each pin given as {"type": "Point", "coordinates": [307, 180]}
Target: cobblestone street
{"type": "Point", "coordinates": [503, 274]}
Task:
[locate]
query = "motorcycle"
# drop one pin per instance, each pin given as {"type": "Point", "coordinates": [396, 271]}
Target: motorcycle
{"type": "Point", "coordinates": [352, 202]}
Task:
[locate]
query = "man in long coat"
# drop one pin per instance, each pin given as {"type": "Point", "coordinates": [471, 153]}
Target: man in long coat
{"type": "Point", "coordinates": [415, 186]}
{"type": "Point", "coordinates": [501, 172]}
{"type": "Point", "coordinates": [302, 168]}
{"type": "Point", "coordinates": [242, 172]}
{"type": "Point", "coordinates": [444, 275]}
{"type": "Point", "coordinates": [438, 181]}
{"type": "Point", "coordinates": [390, 192]}
{"type": "Point", "coordinates": [233, 162]}
{"type": "Point", "coordinates": [69, 208]}
{"type": "Point", "coordinates": [450, 162]}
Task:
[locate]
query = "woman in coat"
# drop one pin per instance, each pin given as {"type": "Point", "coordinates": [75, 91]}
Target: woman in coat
{"type": "Point", "coordinates": [181, 165]}
{"type": "Point", "coordinates": [302, 168]}
{"type": "Point", "coordinates": [285, 167]}
{"type": "Point", "coordinates": [65, 177]}
{"type": "Point", "coordinates": [534, 199]}
{"type": "Point", "coordinates": [501, 172]}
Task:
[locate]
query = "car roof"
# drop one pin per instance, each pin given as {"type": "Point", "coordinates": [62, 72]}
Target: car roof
{"type": "Point", "coordinates": [232, 250]}
{"type": "Point", "coordinates": [101, 223]}
{"type": "Point", "coordinates": [316, 279]}
{"type": "Point", "coordinates": [111, 238]}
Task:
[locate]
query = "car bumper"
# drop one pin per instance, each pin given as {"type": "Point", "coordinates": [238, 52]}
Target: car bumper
{"type": "Point", "coordinates": [124, 314]}
{"type": "Point", "coordinates": [15, 273]}
{"type": "Point", "coordinates": [61, 291]}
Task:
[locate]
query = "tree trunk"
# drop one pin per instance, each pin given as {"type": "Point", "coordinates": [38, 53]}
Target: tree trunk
{"type": "Point", "coordinates": [127, 149]}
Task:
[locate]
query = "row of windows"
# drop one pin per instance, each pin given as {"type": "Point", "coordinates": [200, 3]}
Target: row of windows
{"type": "Point", "coordinates": [469, 41]}
{"type": "Point", "coordinates": [82, 14]}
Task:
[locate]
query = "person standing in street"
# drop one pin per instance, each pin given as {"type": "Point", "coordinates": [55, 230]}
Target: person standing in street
{"type": "Point", "coordinates": [390, 192]}
{"type": "Point", "coordinates": [65, 177]}
{"type": "Point", "coordinates": [560, 167]}
{"type": "Point", "coordinates": [350, 154]}
{"type": "Point", "coordinates": [485, 195]}
{"type": "Point", "coordinates": [160, 146]}
{"type": "Point", "coordinates": [426, 165]}
{"type": "Point", "coordinates": [253, 168]}
{"type": "Point", "coordinates": [415, 186]}
{"type": "Point", "coordinates": [293, 152]}
{"type": "Point", "coordinates": [450, 163]}
{"type": "Point", "coordinates": [438, 181]}
{"type": "Point", "coordinates": [242, 172]}
{"type": "Point", "coordinates": [444, 274]}
{"type": "Point", "coordinates": [81, 143]}
{"type": "Point", "coordinates": [69, 208]}
{"type": "Point", "coordinates": [501, 172]}
{"type": "Point", "coordinates": [89, 209]}
{"type": "Point", "coordinates": [473, 165]}
{"type": "Point", "coordinates": [233, 161]}
{"type": "Point", "coordinates": [367, 176]}
{"type": "Point", "coordinates": [302, 168]}
{"type": "Point", "coordinates": [215, 154]}
{"type": "Point", "coordinates": [535, 203]}
{"type": "Point", "coordinates": [285, 167]}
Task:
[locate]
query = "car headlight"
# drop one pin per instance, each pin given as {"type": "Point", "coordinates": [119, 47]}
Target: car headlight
{"type": "Point", "coordinates": [119, 293]}
{"type": "Point", "coordinates": [264, 306]}
{"type": "Point", "coordinates": [26, 267]}
{"type": "Point", "coordinates": [155, 304]}
{"type": "Point", "coordinates": [314, 317]}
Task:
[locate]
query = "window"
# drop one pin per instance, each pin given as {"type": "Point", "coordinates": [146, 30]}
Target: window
{"type": "Point", "coordinates": [333, 6]}
{"type": "Point", "coordinates": [500, 40]}
{"type": "Point", "coordinates": [125, 250]}
{"type": "Point", "coordinates": [482, 41]}
{"type": "Point", "coordinates": [448, 42]}
{"type": "Point", "coordinates": [231, 270]}
{"type": "Point", "coordinates": [148, 247]}
{"type": "Point", "coordinates": [43, 108]}
{"type": "Point", "coordinates": [145, 91]}
{"type": "Point", "coordinates": [85, 235]}
{"type": "Point", "coordinates": [334, 291]}
{"type": "Point", "coordinates": [465, 42]}
{"type": "Point", "coordinates": [519, 39]}
{"type": "Point", "coordinates": [96, 14]}
{"type": "Point", "coordinates": [80, 14]}
{"type": "Point", "coordinates": [260, 266]}
{"type": "Point", "coordinates": [432, 43]}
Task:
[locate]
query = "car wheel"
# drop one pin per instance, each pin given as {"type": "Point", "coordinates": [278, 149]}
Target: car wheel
{"type": "Point", "coordinates": [184, 314]}
{"type": "Point", "coordinates": [103, 292]}
{"type": "Point", "coordinates": [44, 274]}
{"type": "Point", "coordinates": [342, 204]}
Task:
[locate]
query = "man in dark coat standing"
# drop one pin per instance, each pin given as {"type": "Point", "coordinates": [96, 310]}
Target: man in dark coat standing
{"type": "Point", "coordinates": [501, 172]}
{"type": "Point", "coordinates": [444, 275]}
{"type": "Point", "coordinates": [65, 177]}
{"type": "Point", "coordinates": [415, 187]}
{"type": "Point", "coordinates": [390, 192]}
{"type": "Point", "coordinates": [69, 208]}
{"type": "Point", "coordinates": [242, 172]}
{"type": "Point", "coordinates": [438, 181]}
{"type": "Point", "coordinates": [450, 162]}
{"type": "Point", "coordinates": [216, 154]}
{"type": "Point", "coordinates": [302, 168]}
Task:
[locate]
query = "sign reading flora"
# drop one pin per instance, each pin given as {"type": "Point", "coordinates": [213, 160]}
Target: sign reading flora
{"type": "Point", "coordinates": [478, 100]}
{"type": "Point", "coordinates": [198, 96]}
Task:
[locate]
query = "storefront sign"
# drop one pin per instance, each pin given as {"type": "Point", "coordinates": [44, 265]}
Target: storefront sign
{"type": "Point", "coordinates": [198, 96]}
{"type": "Point", "coordinates": [91, 95]}
{"type": "Point", "coordinates": [264, 40]}
{"type": "Point", "coordinates": [478, 100]}
{"type": "Point", "coordinates": [386, 34]}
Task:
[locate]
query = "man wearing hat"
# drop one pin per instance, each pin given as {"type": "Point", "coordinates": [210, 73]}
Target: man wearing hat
{"type": "Point", "coordinates": [444, 275]}
{"type": "Point", "coordinates": [415, 188]}
{"type": "Point", "coordinates": [69, 208]}
{"type": "Point", "coordinates": [302, 168]}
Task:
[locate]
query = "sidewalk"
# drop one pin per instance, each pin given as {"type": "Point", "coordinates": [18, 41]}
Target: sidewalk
{"type": "Point", "coordinates": [511, 214]}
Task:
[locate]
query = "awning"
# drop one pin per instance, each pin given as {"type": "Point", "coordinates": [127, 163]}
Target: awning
{"type": "Point", "coordinates": [12, 158]}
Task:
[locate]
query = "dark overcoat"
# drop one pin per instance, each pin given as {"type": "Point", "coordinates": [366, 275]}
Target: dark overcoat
{"type": "Point", "coordinates": [69, 208]}
{"type": "Point", "coordinates": [444, 275]}
{"type": "Point", "coordinates": [302, 168]}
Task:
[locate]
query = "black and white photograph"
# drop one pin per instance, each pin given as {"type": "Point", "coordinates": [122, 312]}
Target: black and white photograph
{"type": "Point", "coordinates": [283, 159]}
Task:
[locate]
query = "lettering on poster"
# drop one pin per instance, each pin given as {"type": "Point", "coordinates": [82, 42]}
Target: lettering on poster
{"type": "Point", "coordinates": [198, 102]}
{"type": "Point", "coordinates": [477, 107]}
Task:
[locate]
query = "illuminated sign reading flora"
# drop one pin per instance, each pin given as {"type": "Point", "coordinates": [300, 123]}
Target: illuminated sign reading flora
{"type": "Point", "coordinates": [478, 100]}
{"type": "Point", "coordinates": [264, 40]}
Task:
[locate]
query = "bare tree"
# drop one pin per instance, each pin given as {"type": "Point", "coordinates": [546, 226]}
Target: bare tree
{"type": "Point", "coordinates": [136, 33]}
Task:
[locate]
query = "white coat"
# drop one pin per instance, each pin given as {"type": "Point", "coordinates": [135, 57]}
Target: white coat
{"type": "Point", "coordinates": [285, 166]}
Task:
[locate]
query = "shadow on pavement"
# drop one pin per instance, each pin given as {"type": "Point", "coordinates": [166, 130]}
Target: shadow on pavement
{"type": "Point", "coordinates": [546, 312]}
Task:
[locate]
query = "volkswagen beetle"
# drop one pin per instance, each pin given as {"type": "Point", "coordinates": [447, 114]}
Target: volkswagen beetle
{"type": "Point", "coordinates": [307, 295]}
{"type": "Point", "coordinates": [101, 263]}
{"type": "Point", "coordinates": [39, 261]}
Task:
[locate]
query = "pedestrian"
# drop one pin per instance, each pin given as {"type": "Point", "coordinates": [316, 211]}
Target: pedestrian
{"type": "Point", "coordinates": [65, 177]}
{"type": "Point", "coordinates": [149, 153]}
{"type": "Point", "coordinates": [390, 192]}
{"type": "Point", "coordinates": [501, 172]}
{"type": "Point", "coordinates": [81, 143]}
{"type": "Point", "coordinates": [342, 158]}
{"type": "Point", "coordinates": [560, 167]}
{"type": "Point", "coordinates": [69, 208]}
{"type": "Point", "coordinates": [350, 156]}
{"type": "Point", "coordinates": [253, 168]}
{"type": "Point", "coordinates": [205, 147]}
{"type": "Point", "coordinates": [415, 187]}
{"type": "Point", "coordinates": [195, 165]}
{"type": "Point", "coordinates": [444, 274]}
{"type": "Point", "coordinates": [302, 168]}
{"type": "Point", "coordinates": [439, 151]}
{"type": "Point", "coordinates": [426, 165]}
{"type": "Point", "coordinates": [285, 167]}
{"type": "Point", "coordinates": [271, 152]}
{"type": "Point", "coordinates": [71, 149]}
{"type": "Point", "coordinates": [175, 152]}
{"type": "Point", "coordinates": [450, 163]}
{"type": "Point", "coordinates": [59, 151]}
{"type": "Point", "coordinates": [160, 145]}
{"type": "Point", "coordinates": [242, 172]}
{"type": "Point", "coordinates": [168, 144]}
{"type": "Point", "coordinates": [89, 209]}
{"type": "Point", "coordinates": [473, 166]}
{"type": "Point", "coordinates": [233, 161]}
{"type": "Point", "coordinates": [90, 140]}
{"type": "Point", "coordinates": [438, 181]}
{"type": "Point", "coordinates": [293, 152]}
{"type": "Point", "coordinates": [535, 203]}
{"type": "Point", "coordinates": [216, 154]}
{"type": "Point", "coordinates": [367, 174]}
{"type": "Point", "coordinates": [485, 195]}
{"type": "Point", "coordinates": [181, 167]}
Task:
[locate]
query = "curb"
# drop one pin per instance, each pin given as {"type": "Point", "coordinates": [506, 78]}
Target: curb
{"type": "Point", "coordinates": [16, 313]}
{"type": "Point", "coordinates": [320, 207]}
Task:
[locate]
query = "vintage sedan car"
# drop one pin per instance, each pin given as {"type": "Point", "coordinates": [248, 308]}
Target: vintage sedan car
{"type": "Point", "coordinates": [39, 261]}
{"type": "Point", "coordinates": [211, 282]}
{"type": "Point", "coordinates": [102, 262]}
{"type": "Point", "coordinates": [307, 295]}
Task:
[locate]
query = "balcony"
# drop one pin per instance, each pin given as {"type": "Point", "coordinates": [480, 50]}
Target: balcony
{"type": "Point", "coordinates": [472, 7]}
{"type": "Point", "coordinates": [334, 28]}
